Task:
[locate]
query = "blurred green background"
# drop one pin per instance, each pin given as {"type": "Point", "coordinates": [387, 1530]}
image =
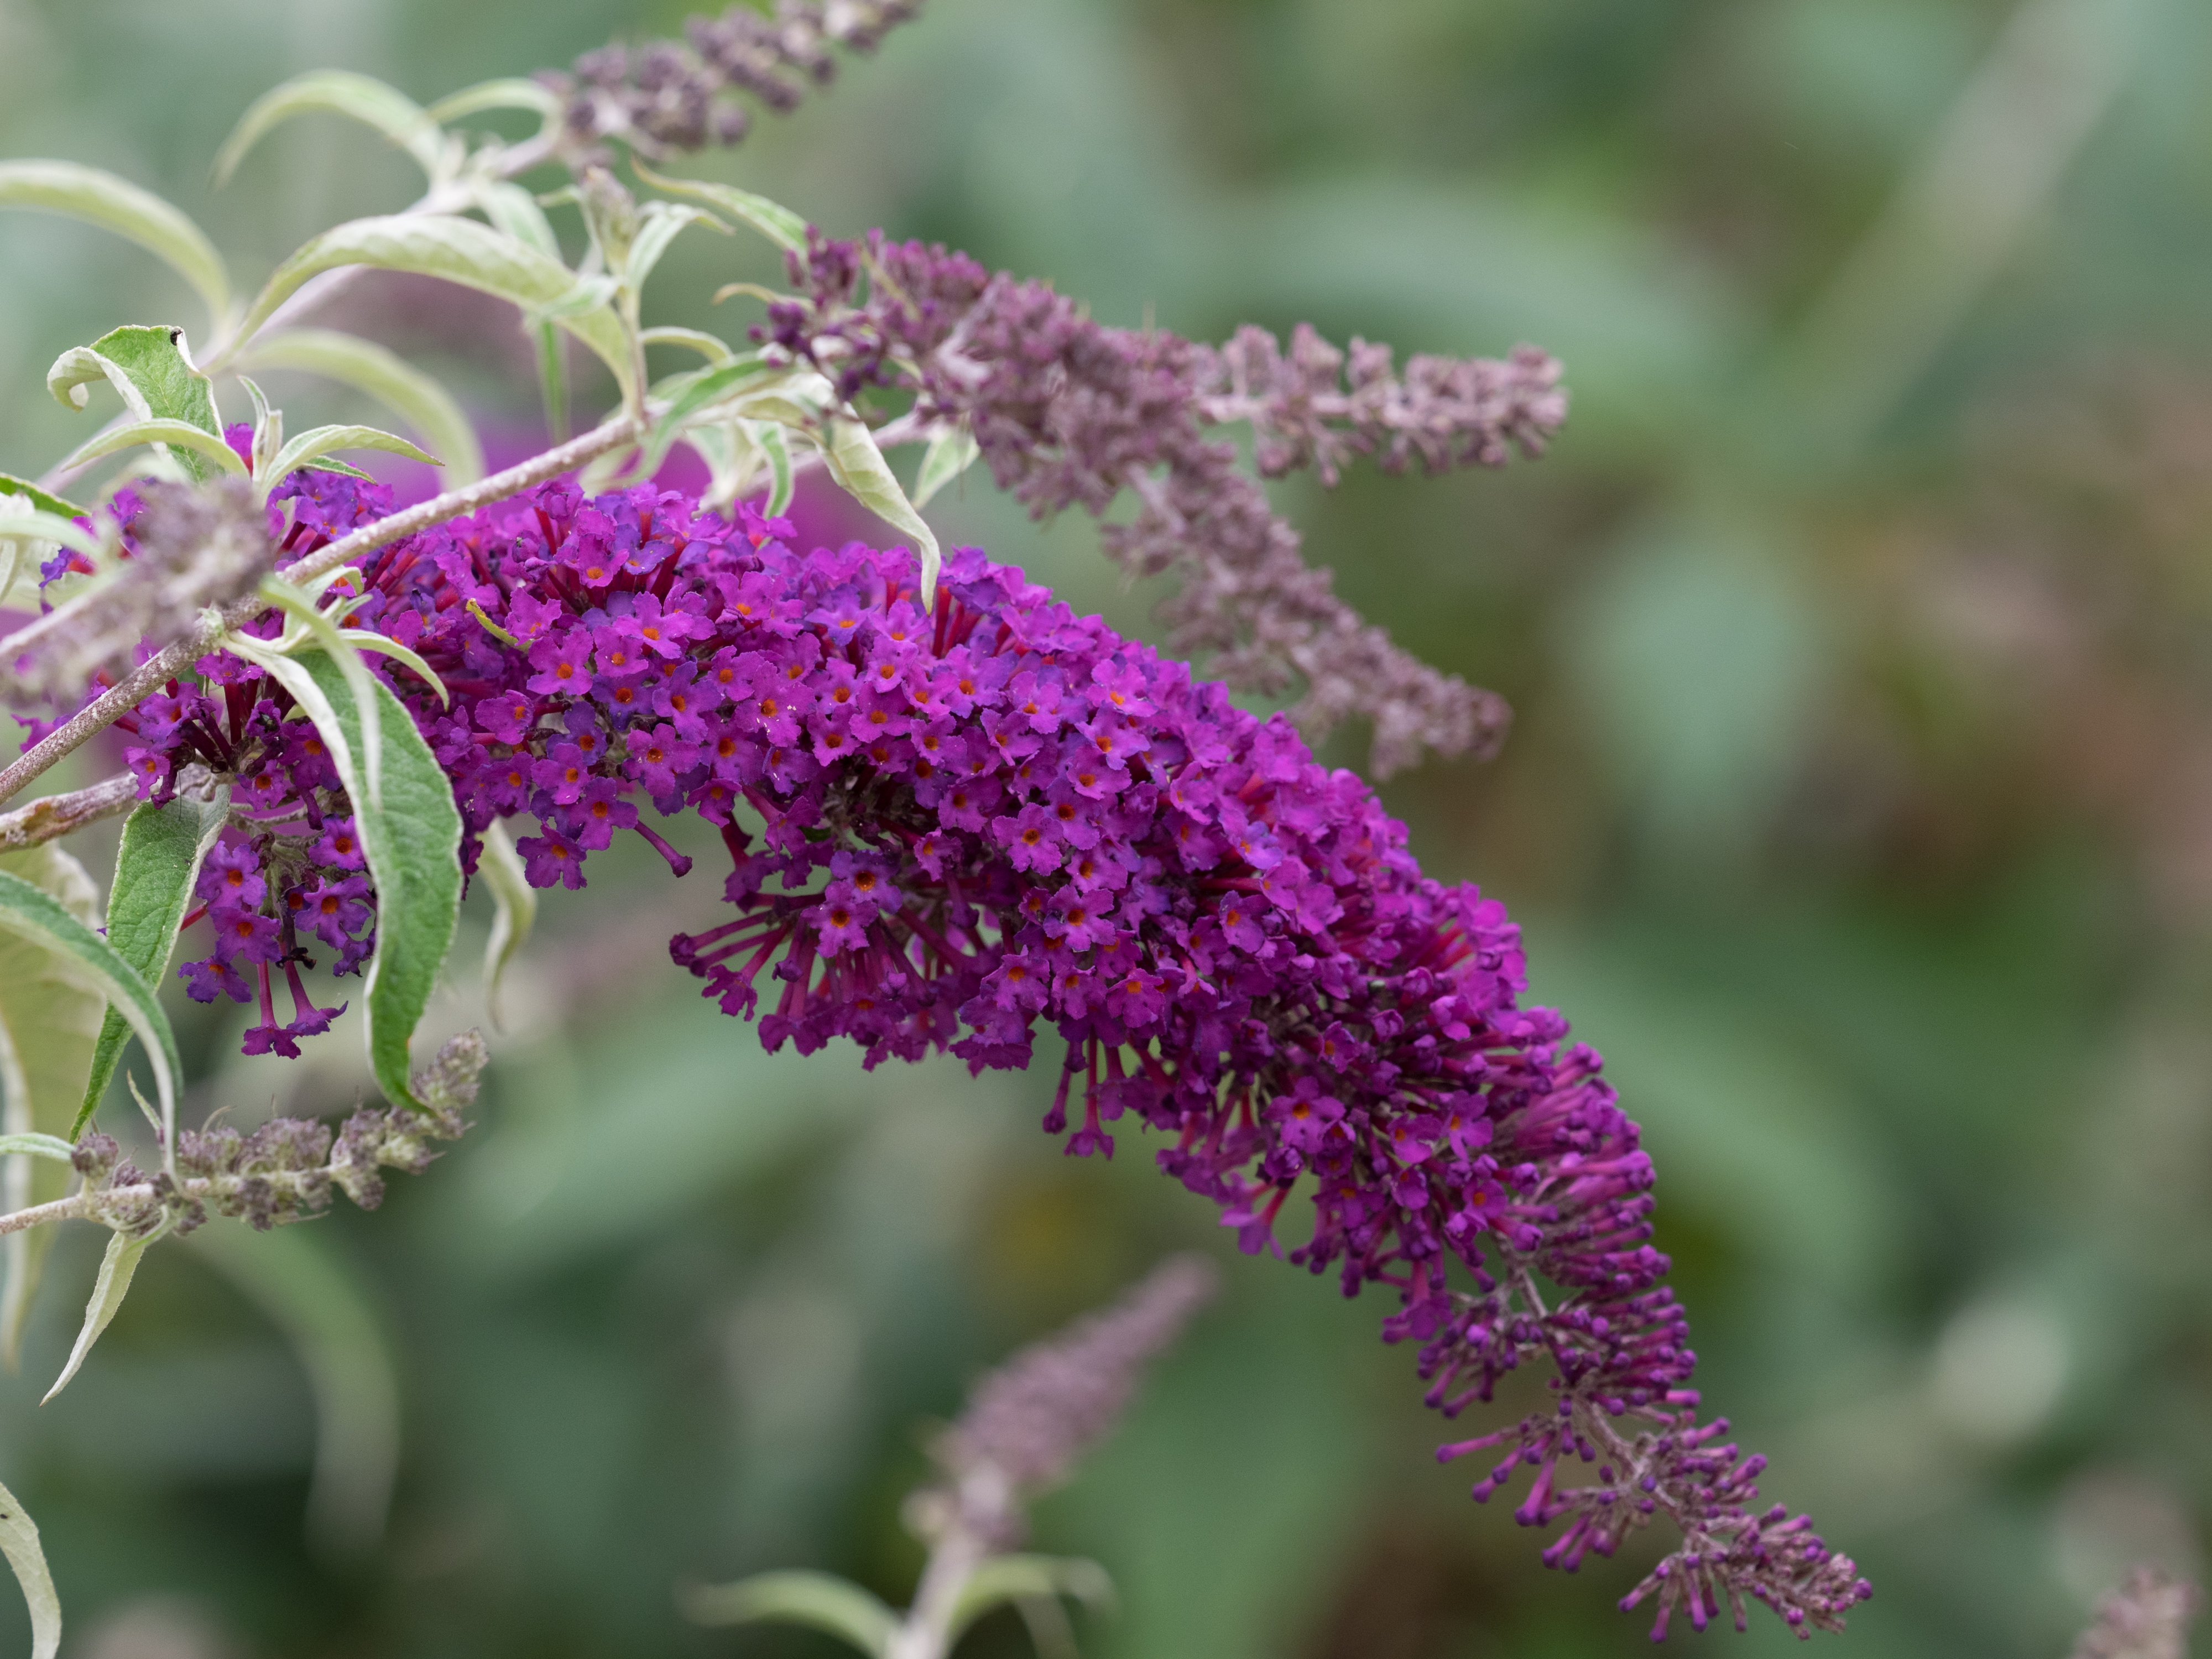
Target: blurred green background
{"type": "Point", "coordinates": [1860, 809]}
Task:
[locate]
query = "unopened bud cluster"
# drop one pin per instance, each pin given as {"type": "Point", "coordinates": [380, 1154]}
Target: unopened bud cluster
{"type": "Point", "coordinates": [287, 1168]}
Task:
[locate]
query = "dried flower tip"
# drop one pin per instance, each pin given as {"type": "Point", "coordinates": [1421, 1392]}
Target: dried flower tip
{"type": "Point", "coordinates": [1029, 1423]}
{"type": "Point", "coordinates": [447, 1085]}
{"type": "Point", "coordinates": [2147, 1617]}
{"type": "Point", "coordinates": [187, 548]}
{"type": "Point", "coordinates": [665, 95]}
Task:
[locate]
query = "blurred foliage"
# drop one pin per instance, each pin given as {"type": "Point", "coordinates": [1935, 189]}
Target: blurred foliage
{"type": "Point", "coordinates": [1860, 809]}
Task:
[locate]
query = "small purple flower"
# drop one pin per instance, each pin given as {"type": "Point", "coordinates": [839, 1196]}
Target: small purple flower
{"type": "Point", "coordinates": [231, 875]}
{"type": "Point", "coordinates": [338, 847]}
{"type": "Point", "coordinates": [551, 859]}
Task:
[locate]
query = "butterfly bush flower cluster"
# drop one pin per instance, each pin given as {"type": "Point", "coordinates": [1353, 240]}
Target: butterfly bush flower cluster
{"type": "Point", "coordinates": [974, 824]}
{"type": "Point", "coordinates": [1068, 412]}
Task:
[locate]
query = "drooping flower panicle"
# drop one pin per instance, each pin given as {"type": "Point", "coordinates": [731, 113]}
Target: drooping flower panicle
{"type": "Point", "coordinates": [950, 828]}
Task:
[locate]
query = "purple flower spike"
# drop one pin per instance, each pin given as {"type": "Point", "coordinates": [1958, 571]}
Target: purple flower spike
{"type": "Point", "coordinates": [969, 828]}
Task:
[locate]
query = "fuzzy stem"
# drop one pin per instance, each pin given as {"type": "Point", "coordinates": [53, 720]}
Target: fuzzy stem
{"type": "Point", "coordinates": [59, 814]}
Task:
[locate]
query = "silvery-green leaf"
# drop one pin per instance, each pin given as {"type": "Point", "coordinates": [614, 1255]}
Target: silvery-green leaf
{"type": "Point", "coordinates": [155, 868]}
{"type": "Point", "coordinates": [858, 465]}
{"type": "Point", "coordinates": [515, 210]}
{"type": "Point", "coordinates": [702, 390]}
{"type": "Point", "coordinates": [588, 294]}
{"type": "Point", "coordinates": [46, 527]}
{"type": "Point", "coordinates": [81, 367]}
{"type": "Point", "coordinates": [305, 622]}
{"type": "Point", "coordinates": [772, 220]}
{"type": "Point", "coordinates": [552, 380]}
{"type": "Point", "coordinates": [512, 93]}
{"type": "Point", "coordinates": [51, 1147]}
{"type": "Point", "coordinates": [771, 443]}
{"type": "Point", "coordinates": [951, 451]}
{"type": "Point", "coordinates": [456, 250]}
{"type": "Point", "coordinates": [312, 446]}
{"type": "Point", "coordinates": [22, 490]}
{"type": "Point", "coordinates": [713, 349]}
{"type": "Point", "coordinates": [516, 900]}
{"type": "Point", "coordinates": [172, 433]}
{"type": "Point", "coordinates": [367, 100]}
{"type": "Point", "coordinates": [117, 1268]}
{"type": "Point", "coordinates": [50, 1018]}
{"type": "Point", "coordinates": [116, 205]}
{"type": "Point", "coordinates": [28, 913]}
{"type": "Point", "coordinates": [151, 368]}
{"type": "Point", "coordinates": [398, 385]}
{"type": "Point", "coordinates": [413, 849]}
{"type": "Point", "coordinates": [19, 1539]}
{"type": "Point", "coordinates": [310, 1293]}
{"type": "Point", "coordinates": [268, 430]}
{"type": "Point", "coordinates": [360, 638]}
{"type": "Point", "coordinates": [814, 1599]}
{"type": "Point", "coordinates": [660, 225]}
{"type": "Point", "coordinates": [1004, 1578]}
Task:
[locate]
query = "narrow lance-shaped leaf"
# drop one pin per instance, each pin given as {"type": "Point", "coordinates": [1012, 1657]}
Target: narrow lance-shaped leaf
{"type": "Point", "coordinates": [400, 386]}
{"type": "Point", "coordinates": [116, 204]}
{"type": "Point", "coordinates": [150, 367]}
{"type": "Point", "coordinates": [50, 1015]}
{"type": "Point", "coordinates": [662, 223]}
{"type": "Point", "coordinates": [306, 621]}
{"type": "Point", "coordinates": [155, 868]}
{"type": "Point", "coordinates": [159, 432]}
{"type": "Point", "coordinates": [813, 1599]}
{"type": "Point", "coordinates": [516, 912]}
{"type": "Point", "coordinates": [511, 94]}
{"type": "Point", "coordinates": [772, 220]}
{"type": "Point", "coordinates": [458, 250]}
{"type": "Point", "coordinates": [858, 465]}
{"type": "Point", "coordinates": [19, 1539]}
{"type": "Point", "coordinates": [312, 445]}
{"type": "Point", "coordinates": [1005, 1578]}
{"type": "Point", "coordinates": [364, 98]}
{"type": "Point", "coordinates": [53, 1148]}
{"type": "Point", "coordinates": [40, 501]}
{"type": "Point", "coordinates": [117, 1268]}
{"type": "Point", "coordinates": [413, 849]}
{"type": "Point", "coordinates": [30, 913]}
{"type": "Point", "coordinates": [712, 347]}
{"type": "Point", "coordinates": [951, 451]}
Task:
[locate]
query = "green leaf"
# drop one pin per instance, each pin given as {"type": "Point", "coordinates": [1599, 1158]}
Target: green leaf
{"type": "Point", "coordinates": [770, 441]}
{"type": "Point", "coordinates": [858, 465]}
{"type": "Point", "coordinates": [364, 98]}
{"type": "Point", "coordinates": [1004, 1578]}
{"type": "Point", "coordinates": [305, 623]}
{"type": "Point", "coordinates": [50, 1017]}
{"type": "Point", "coordinates": [30, 913]}
{"type": "Point", "coordinates": [46, 527]}
{"type": "Point", "coordinates": [703, 389]}
{"type": "Point", "coordinates": [19, 1538]}
{"type": "Point", "coordinates": [159, 431]}
{"type": "Point", "coordinates": [713, 349]}
{"type": "Point", "coordinates": [813, 1599]}
{"type": "Point", "coordinates": [312, 445]}
{"type": "Point", "coordinates": [151, 369]}
{"type": "Point", "coordinates": [772, 220]}
{"type": "Point", "coordinates": [313, 1295]}
{"type": "Point", "coordinates": [512, 93]}
{"type": "Point", "coordinates": [396, 384]}
{"type": "Point", "coordinates": [516, 900]}
{"type": "Point", "coordinates": [117, 1268]}
{"type": "Point", "coordinates": [24, 490]}
{"type": "Point", "coordinates": [154, 869]}
{"type": "Point", "coordinates": [413, 847]}
{"type": "Point", "coordinates": [458, 250]}
{"type": "Point", "coordinates": [662, 221]}
{"type": "Point", "coordinates": [52, 1147]}
{"type": "Point", "coordinates": [515, 210]}
{"type": "Point", "coordinates": [116, 205]}
{"type": "Point", "coordinates": [384, 645]}
{"type": "Point", "coordinates": [951, 451]}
